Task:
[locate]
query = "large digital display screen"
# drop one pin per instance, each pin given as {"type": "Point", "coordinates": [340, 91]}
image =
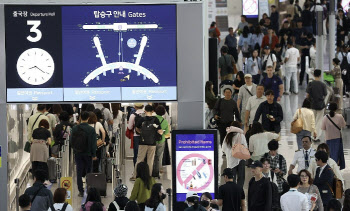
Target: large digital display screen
{"type": "Point", "coordinates": [250, 8]}
{"type": "Point", "coordinates": [195, 162]}
{"type": "Point", "coordinates": [91, 53]}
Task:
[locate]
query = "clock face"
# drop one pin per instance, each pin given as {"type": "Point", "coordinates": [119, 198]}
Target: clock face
{"type": "Point", "coordinates": [35, 66]}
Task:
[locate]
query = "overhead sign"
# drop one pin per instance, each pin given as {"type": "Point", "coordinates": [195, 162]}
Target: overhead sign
{"type": "Point", "coordinates": [90, 53]}
{"type": "Point", "coordinates": [67, 183]}
{"type": "Point", "coordinates": [195, 161]}
{"type": "Point", "coordinates": [250, 8]}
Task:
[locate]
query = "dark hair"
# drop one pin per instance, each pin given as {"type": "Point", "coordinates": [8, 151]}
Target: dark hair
{"type": "Point", "coordinates": [332, 108]}
{"type": "Point", "coordinates": [115, 109]}
{"type": "Point", "coordinates": [155, 198]}
{"type": "Point", "coordinates": [207, 194]}
{"type": "Point", "coordinates": [93, 195]}
{"type": "Point", "coordinates": [241, 75]}
{"type": "Point", "coordinates": [131, 206]}
{"type": "Point", "coordinates": [291, 1]}
{"type": "Point", "coordinates": [149, 108]}
{"type": "Point", "coordinates": [224, 49]}
{"type": "Point", "coordinates": [98, 114]}
{"type": "Point", "coordinates": [208, 85]}
{"type": "Point", "coordinates": [260, 85]}
{"type": "Point", "coordinates": [57, 109]}
{"type": "Point", "coordinates": [229, 28]}
{"type": "Point", "coordinates": [243, 16]}
{"type": "Point", "coordinates": [308, 174]}
{"type": "Point", "coordinates": [44, 123]}
{"type": "Point", "coordinates": [306, 103]}
{"type": "Point", "coordinates": [96, 206]}
{"type": "Point", "coordinates": [293, 180]}
{"type": "Point", "coordinates": [290, 43]}
{"type": "Point", "coordinates": [273, 145]}
{"type": "Point", "coordinates": [41, 107]}
{"type": "Point", "coordinates": [64, 116]}
{"type": "Point", "coordinates": [212, 24]}
{"type": "Point", "coordinates": [257, 30]}
{"type": "Point", "coordinates": [84, 115]}
{"type": "Point", "coordinates": [278, 45]}
{"type": "Point", "coordinates": [307, 5]}
{"type": "Point", "coordinates": [24, 200]}
{"type": "Point", "coordinates": [273, 6]}
{"type": "Point", "coordinates": [321, 155]}
{"type": "Point", "coordinates": [90, 107]}
{"type": "Point", "coordinates": [92, 118]}
{"type": "Point", "coordinates": [227, 89]}
{"type": "Point", "coordinates": [325, 147]}
{"type": "Point", "coordinates": [194, 200]}
{"type": "Point", "coordinates": [317, 73]}
{"type": "Point", "coordinates": [245, 31]}
{"type": "Point", "coordinates": [142, 172]}
{"type": "Point", "coordinates": [106, 105]}
{"type": "Point", "coordinates": [307, 137]}
{"type": "Point", "coordinates": [49, 107]}
{"type": "Point", "coordinates": [256, 128]}
{"type": "Point", "coordinates": [269, 92]}
{"type": "Point", "coordinates": [309, 36]}
{"type": "Point", "coordinates": [334, 205]}
{"type": "Point", "coordinates": [60, 195]}
{"type": "Point", "coordinates": [160, 110]}
{"type": "Point", "coordinates": [229, 136]}
{"type": "Point", "coordinates": [346, 204]}
{"type": "Point", "coordinates": [40, 175]}
{"type": "Point", "coordinates": [263, 160]}
{"type": "Point", "coordinates": [336, 61]}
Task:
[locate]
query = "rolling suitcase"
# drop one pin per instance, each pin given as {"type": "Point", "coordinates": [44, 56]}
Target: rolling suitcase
{"type": "Point", "coordinates": [98, 181]}
{"type": "Point", "coordinates": [347, 116]}
{"type": "Point", "coordinates": [107, 168]}
{"type": "Point", "coordinates": [51, 164]}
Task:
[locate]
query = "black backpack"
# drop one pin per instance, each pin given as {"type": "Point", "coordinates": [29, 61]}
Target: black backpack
{"type": "Point", "coordinates": [265, 62]}
{"type": "Point", "coordinates": [138, 118]}
{"type": "Point", "coordinates": [229, 66]}
{"type": "Point", "coordinates": [107, 139]}
{"type": "Point", "coordinates": [59, 134]}
{"type": "Point", "coordinates": [275, 197]}
{"type": "Point", "coordinates": [149, 133]}
{"type": "Point", "coordinates": [344, 65]}
{"type": "Point", "coordinates": [79, 140]}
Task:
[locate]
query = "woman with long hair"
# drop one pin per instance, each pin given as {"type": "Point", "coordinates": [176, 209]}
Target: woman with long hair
{"type": "Point", "coordinates": [245, 43]}
{"type": "Point", "coordinates": [284, 44]}
{"type": "Point", "coordinates": [332, 124]}
{"type": "Point", "coordinates": [59, 199]}
{"type": "Point", "coordinates": [93, 196]}
{"type": "Point", "coordinates": [308, 118]}
{"type": "Point", "coordinates": [237, 83]}
{"type": "Point", "coordinates": [100, 134]}
{"type": "Point", "coordinates": [259, 139]}
{"type": "Point", "coordinates": [143, 184]}
{"type": "Point", "coordinates": [306, 187]}
{"type": "Point", "coordinates": [254, 66]}
{"type": "Point", "coordinates": [235, 135]}
{"type": "Point", "coordinates": [210, 98]}
{"type": "Point", "coordinates": [155, 202]}
{"type": "Point", "coordinates": [337, 74]}
{"type": "Point", "coordinates": [257, 38]}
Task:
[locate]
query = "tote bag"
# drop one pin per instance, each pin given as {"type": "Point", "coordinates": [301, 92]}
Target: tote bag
{"type": "Point", "coordinates": [297, 125]}
{"type": "Point", "coordinates": [239, 150]}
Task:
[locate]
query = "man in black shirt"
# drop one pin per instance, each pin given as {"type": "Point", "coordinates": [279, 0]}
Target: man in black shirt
{"type": "Point", "coordinates": [259, 190]}
{"type": "Point", "coordinates": [231, 196]}
{"type": "Point", "coordinates": [307, 18]}
{"type": "Point", "coordinates": [305, 51]}
{"type": "Point", "coordinates": [299, 33]}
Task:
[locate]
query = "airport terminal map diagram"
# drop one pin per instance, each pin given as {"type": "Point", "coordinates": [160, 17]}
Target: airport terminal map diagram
{"type": "Point", "coordinates": [119, 46]}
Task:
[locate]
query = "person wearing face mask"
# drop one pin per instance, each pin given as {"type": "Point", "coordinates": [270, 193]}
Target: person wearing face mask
{"type": "Point", "coordinates": [192, 200]}
{"type": "Point", "coordinates": [205, 202]}
{"type": "Point", "coordinates": [155, 202]}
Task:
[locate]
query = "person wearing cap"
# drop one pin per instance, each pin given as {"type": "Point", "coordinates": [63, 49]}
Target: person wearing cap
{"type": "Point", "coordinates": [192, 200]}
{"type": "Point", "coordinates": [269, 59]}
{"type": "Point", "coordinates": [231, 196]}
{"type": "Point", "coordinates": [305, 45]}
{"type": "Point", "coordinates": [259, 189]}
{"type": "Point", "coordinates": [245, 92]}
{"type": "Point", "coordinates": [292, 57]}
{"type": "Point", "coordinates": [225, 110]}
{"type": "Point", "coordinates": [131, 126]}
{"type": "Point", "coordinates": [270, 39]}
{"type": "Point", "coordinates": [120, 199]}
{"type": "Point", "coordinates": [253, 67]}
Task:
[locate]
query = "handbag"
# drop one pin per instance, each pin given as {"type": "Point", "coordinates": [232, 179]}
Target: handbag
{"type": "Point", "coordinates": [99, 141]}
{"type": "Point", "coordinates": [297, 125]}
{"type": "Point", "coordinates": [28, 144]}
{"type": "Point", "coordinates": [337, 187]}
{"type": "Point", "coordinates": [239, 150]}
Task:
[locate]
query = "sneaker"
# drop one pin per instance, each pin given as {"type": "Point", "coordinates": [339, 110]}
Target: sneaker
{"type": "Point", "coordinates": [132, 178]}
{"type": "Point", "coordinates": [286, 93]}
{"type": "Point", "coordinates": [81, 194]}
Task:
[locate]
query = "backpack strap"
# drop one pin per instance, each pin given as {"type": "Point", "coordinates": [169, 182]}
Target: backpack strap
{"type": "Point", "coordinates": [219, 105]}
{"type": "Point", "coordinates": [36, 121]}
{"type": "Point", "coordinates": [272, 175]}
{"type": "Point", "coordinates": [64, 207]}
{"type": "Point", "coordinates": [155, 208]}
{"type": "Point", "coordinates": [280, 160]}
{"type": "Point", "coordinates": [116, 205]}
{"type": "Point", "coordinates": [52, 208]}
{"type": "Point", "coordinates": [248, 91]}
{"type": "Point", "coordinates": [36, 194]}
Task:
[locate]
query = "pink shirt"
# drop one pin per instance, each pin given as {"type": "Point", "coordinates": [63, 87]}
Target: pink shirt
{"type": "Point", "coordinates": [330, 130]}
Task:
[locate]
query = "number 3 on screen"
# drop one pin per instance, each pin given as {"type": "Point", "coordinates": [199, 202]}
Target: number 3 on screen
{"type": "Point", "coordinates": [35, 30]}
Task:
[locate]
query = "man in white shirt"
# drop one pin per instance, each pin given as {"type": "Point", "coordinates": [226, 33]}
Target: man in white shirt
{"type": "Point", "coordinates": [291, 60]}
{"type": "Point", "coordinates": [253, 104]}
{"type": "Point", "coordinates": [293, 200]}
{"type": "Point", "coordinates": [34, 120]}
{"type": "Point", "coordinates": [302, 156]}
{"type": "Point", "coordinates": [245, 92]}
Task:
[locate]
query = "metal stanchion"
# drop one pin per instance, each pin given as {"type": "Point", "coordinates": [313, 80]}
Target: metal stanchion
{"type": "Point", "coordinates": [17, 194]}
{"type": "Point", "coordinates": [169, 198]}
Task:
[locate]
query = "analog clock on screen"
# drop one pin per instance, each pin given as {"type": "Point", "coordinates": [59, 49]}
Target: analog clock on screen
{"type": "Point", "coordinates": [35, 66]}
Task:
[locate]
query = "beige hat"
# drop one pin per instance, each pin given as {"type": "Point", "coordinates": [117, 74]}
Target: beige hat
{"type": "Point", "coordinates": [139, 105]}
{"type": "Point", "coordinates": [248, 76]}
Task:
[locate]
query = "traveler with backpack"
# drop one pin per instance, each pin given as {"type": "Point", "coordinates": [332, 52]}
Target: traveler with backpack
{"type": "Point", "coordinates": [61, 133]}
{"type": "Point", "coordinates": [244, 43]}
{"type": "Point", "coordinates": [268, 59]}
{"type": "Point", "coordinates": [293, 199]}
{"type": "Point", "coordinates": [226, 62]}
{"type": "Point", "coordinates": [338, 81]}
{"type": "Point", "coordinates": [155, 202]}
{"type": "Point", "coordinates": [120, 200]}
{"type": "Point", "coordinates": [267, 171]}
{"type": "Point", "coordinates": [100, 140]}
{"type": "Point", "coordinates": [231, 196]}
{"type": "Point", "coordinates": [150, 130]}
{"type": "Point", "coordinates": [83, 142]}
{"type": "Point", "coordinates": [33, 121]}
{"type": "Point", "coordinates": [59, 197]}
{"type": "Point", "coordinates": [135, 117]}
{"type": "Point", "coordinates": [93, 196]}
{"type": "Point", "coordinates": [278, 163]}
{"type": "Point", "coordinates": [306, 187]}
{"type": "Point", "coordinates": [259, 189]}
{"type": "Point", "coordinates": [158, 157]}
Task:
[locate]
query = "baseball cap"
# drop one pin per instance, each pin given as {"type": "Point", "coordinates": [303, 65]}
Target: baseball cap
{"type": "Point", "coordinates": [267, 47]}
{"type": "Point", "coordinates": [191, 194]}
{"type": "Point", "coordinates": [121, 190]}
{"type": "Point", "coordinates": [227, 172]}
{"type": "Point", "coordinates": [256, 164]}
{"type": "Point", "coordinates": [138, 105]}
{"type": "Point", "coordinates": [248, 76]}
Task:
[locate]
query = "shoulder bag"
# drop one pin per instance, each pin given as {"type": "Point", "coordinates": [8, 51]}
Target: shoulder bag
{"type": "Point", "coordinates": [337, 187]}
{"type": "Point", "coordinates": [28, 144]}
{"type": "Point", "coordinates": [230, 69]}
{"type": "Point", "coordinates": [297, 125]}
{"type": "Point", "coordinates": [239, 150]}
{"type": "Point", "coordinates": [248, 91]}
{"type": "Point", "coordinates": [99, 141]}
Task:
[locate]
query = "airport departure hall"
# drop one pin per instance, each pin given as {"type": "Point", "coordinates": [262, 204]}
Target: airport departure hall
{"type": "Point", "coordinates": [152, 105]}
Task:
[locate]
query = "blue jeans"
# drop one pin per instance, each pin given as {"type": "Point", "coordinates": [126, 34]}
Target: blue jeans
{"type": "Point", "coordinates": [137, 140]}
{"type": "Point", "coordinates": [84, 165]}
{"type": "Point", "coordinates": [300, 136]}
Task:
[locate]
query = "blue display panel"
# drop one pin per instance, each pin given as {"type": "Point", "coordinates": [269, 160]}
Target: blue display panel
{"type": "Point", "coordinates": [195, 163]}
{"type": "Point", "coordinates": [92, 53]}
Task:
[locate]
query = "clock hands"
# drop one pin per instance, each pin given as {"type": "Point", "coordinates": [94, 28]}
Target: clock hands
{"type": "Point", "coordinates": [38, 69]}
